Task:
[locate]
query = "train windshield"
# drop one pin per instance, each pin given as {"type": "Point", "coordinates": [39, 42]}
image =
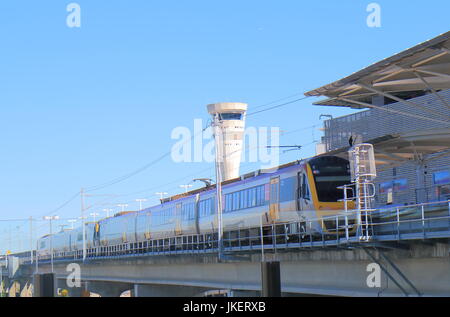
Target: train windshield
{"type": "Point", "coordinates": [329, 173]}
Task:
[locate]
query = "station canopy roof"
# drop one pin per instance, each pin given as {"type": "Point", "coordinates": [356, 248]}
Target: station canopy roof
{"type": "Point", "coordinates": [424, 67]}
{"type": "Point", "coordinates": [395, 149]}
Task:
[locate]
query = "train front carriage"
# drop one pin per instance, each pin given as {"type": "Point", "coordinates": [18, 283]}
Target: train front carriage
{"type": "Point", "coordinates": [326, 174]}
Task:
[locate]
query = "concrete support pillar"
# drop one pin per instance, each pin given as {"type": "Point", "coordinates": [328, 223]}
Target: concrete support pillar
{"type": "Point", "coordinates": [44, 285]}
{"type": "Point", "coordinates": [144, 290]}
{"type": "Point", "coordinates": [271, 280]}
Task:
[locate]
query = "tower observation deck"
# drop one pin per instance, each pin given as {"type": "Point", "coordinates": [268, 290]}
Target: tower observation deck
{"type": "Point", "coordinates": [230, 118]}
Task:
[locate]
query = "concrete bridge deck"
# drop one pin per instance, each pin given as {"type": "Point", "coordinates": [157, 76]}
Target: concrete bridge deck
{"type": "Point", "coordinates": [408, 255]}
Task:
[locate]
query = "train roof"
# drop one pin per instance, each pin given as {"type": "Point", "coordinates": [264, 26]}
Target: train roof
{"type": "Point", "coordinates": [234, 180]}
{"type": "Point", "coordinates": [244, 177]}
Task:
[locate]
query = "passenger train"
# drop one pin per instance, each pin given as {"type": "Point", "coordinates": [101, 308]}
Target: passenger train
{"type": "Point", "coordinates": [303, 192]}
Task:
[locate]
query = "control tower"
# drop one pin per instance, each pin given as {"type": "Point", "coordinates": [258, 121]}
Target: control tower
{"type": "Point", "coordinates": [229, 123]}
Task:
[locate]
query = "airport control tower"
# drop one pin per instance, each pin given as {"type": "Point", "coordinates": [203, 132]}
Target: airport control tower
{"type": "Point", "coordinates": [229, 119]}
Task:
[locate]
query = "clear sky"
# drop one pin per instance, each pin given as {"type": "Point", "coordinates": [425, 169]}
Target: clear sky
{"type": "Point", "coordinates": [82, 106]}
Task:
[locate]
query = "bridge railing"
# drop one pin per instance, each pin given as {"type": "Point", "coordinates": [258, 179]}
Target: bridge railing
{"type": "Point", "coordinates": [421, 221]}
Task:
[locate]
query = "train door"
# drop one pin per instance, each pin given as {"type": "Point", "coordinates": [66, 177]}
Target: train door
{"type": "Point", "coordinates": [303, 203]}
{"type": "Point", "coordinates": [96, 234]}
{"type": "Point", "coordinates": [178, 218]}
{"type": "Point", "coordinates": [148, 219]}
{"type": "Point", "coordinates": [299, 192]}
{"type": "Point", "coordinates": [274, 203]}
{"type": "Point", "coordinates": [197, 214]}
{"type": "Point", "coordinates": [304, 192]}
{"type": "Point", "coordinates": [124, 230]}
{"type": "Point", "coordinates": [135, 220]}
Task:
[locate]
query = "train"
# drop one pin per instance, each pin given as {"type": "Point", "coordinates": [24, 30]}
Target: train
{"type": "Point", "coordinates": [305, 192]}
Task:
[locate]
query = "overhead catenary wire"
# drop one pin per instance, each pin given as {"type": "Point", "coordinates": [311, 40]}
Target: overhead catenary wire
{"type": "Point", "coordinates": [277, 106]}
{"type": "Point", "coordinates": [158, 159]}
{"type": "Point", "coordinates": [168, 153]}
{"type": "Point", "coordinates": [247, 149]}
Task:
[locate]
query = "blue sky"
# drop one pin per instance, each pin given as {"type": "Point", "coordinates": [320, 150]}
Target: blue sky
{"type": "Point", "coordinates": [82, 106]}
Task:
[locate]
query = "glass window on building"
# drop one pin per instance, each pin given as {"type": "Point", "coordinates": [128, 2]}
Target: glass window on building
{"type": "Point", "coordinates": [441, 181]}
{"type": "Point", "coordinates": [385, 187]}
{"type": "Point", "coordinates": [441, 178]}
{"type": "Point", "coordinates": [400, 185]}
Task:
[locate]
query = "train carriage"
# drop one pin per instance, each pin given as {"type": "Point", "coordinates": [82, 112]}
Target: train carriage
{"type": "Point", "coordinates": [303, 195]}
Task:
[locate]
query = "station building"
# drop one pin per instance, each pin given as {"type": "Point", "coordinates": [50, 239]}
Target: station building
{"type": "Point", "coordinates": [405, 113]}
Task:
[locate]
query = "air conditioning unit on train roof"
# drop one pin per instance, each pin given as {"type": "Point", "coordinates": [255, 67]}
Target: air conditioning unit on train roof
{"type": "Point", "coordinates": [123, 213]}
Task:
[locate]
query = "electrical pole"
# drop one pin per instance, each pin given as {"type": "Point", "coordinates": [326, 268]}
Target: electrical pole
{"type": "Point", "coordinates": [140, 202]}
{"type": "Point", "coordinates": [161, 195]}
{"type": "Point", "coordinates": [72, 221]}
{"type": "Point", "coordinates": [218, 141]}
{"type": "Point", "coordinates": [51, 218]}
{"type": "Point", "coordinates": [122, 206]}
{"type": "Point", "coordinates": [83, 223]}
{"type": "Point", "coordinates": [185, 187]}
{"type": "Point", "coordinates": [107, 210]}
{"type": "Point", "coordinates": [31, 240]}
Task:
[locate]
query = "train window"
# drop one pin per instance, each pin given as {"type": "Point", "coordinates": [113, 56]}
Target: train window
{"type": "Point", "coordinates": [247, 198]}
{"type": "Point", "coordinates": [305, 189]}
{"type": "Point", "coordinates": [261, 195]}
{"type": "Point", "coordinates": [242, 202]}
{"type": "Point", "coordinates": [188, 211]}
{"type": "Point", "coordinates": [206, 207]}
{"type": "Point", "coordinates": [235, 201]}
{"type": "Point", "coordinates": [253, 197]}
{"type": "Point", "coordinates": [227, 203]}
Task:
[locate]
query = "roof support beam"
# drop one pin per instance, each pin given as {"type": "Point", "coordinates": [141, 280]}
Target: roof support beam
{"type": "Point", "coordinates": [393, 156]}
{"type": "Point", "coordinates": [368, 105]}
{"type": "Point", "coordinates": [390, 75]}
{"type": "Point", "coordinates": [443, 154]}
{"type": "Point", "coordinates": [442, 53]}
{"type": "Point", "coordinates": [370, 88]}
{"type": "Point", "coordinates": [445, 103]}
{"type": "Point", "coordinates": [446, 76]}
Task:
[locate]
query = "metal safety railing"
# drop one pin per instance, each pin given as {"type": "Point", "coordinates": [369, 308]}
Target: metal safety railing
{"type": "Point", "coordinates": [421, 221]}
